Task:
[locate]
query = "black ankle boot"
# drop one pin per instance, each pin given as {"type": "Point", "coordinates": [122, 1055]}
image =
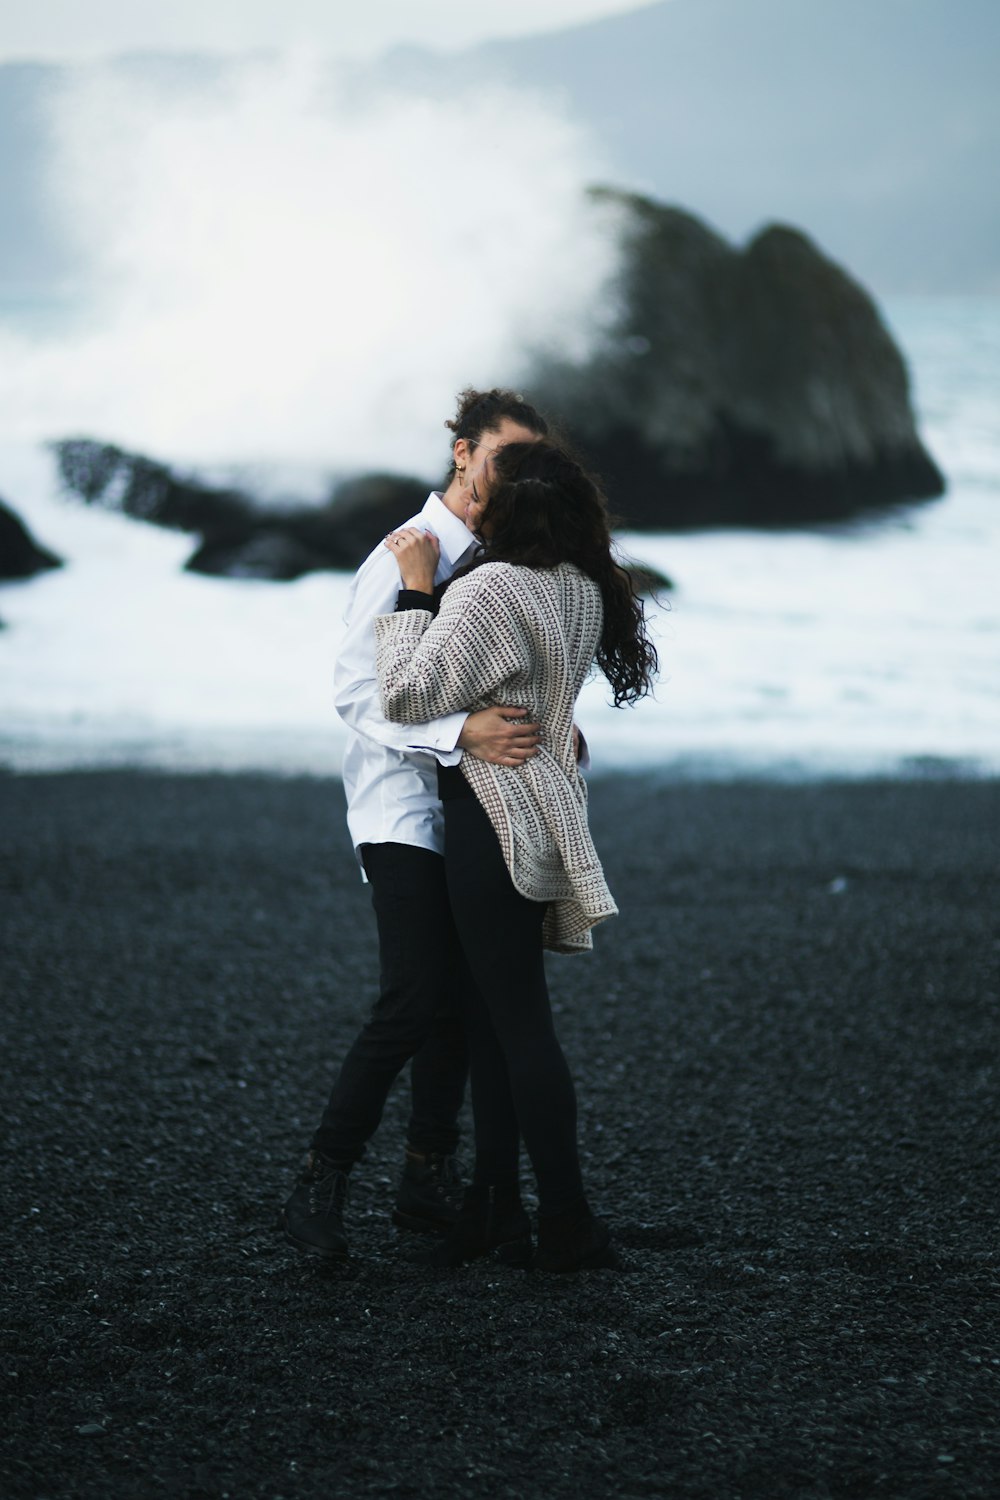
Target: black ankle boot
{"type": "Point", "coordinates": [489, 1219]}
{"type": "Point", "coordinates": [574, 1241]}
{"type": "Point", "coordinates": [313, 1217]}
{"type": "Point", "coordinates": [430, 1193]}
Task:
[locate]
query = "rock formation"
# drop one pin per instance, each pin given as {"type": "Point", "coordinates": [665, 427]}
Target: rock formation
{"type": "Point", "coordinates": [20, 555]}
{"type": "Point", "coordinates": [739, 387]}
{"type": "Point", "coordinates": [753, 387]}
{"type": "Point", "coordinates": [240, 538]}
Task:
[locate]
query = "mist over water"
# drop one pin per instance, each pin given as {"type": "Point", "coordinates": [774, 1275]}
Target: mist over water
{"type": "Point", "coordinates": [278, 269]}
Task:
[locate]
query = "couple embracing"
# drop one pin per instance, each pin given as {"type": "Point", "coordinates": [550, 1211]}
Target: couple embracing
{"type": "Point", "coordinates": [470, 632]}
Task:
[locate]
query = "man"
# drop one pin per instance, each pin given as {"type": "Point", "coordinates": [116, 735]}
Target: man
{"type": "Point", "coordinates": [396, 824]}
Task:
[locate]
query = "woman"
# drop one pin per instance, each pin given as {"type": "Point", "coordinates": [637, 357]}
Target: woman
{"type": "Point", "coordinates": [523, 624]}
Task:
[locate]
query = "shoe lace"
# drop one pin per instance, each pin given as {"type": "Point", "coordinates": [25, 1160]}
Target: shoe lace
{"type": "Point", "coordinates": [441, 1176]}
{"type": "Point", "coordinates": [328, 1188]}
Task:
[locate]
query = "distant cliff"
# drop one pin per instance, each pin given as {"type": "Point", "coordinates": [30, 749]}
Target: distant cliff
{"type": "Point", "coordinates": [739, 387]}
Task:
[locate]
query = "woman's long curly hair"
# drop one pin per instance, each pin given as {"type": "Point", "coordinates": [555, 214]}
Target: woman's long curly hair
{"type": "Point", "coordinates": [543, 509]}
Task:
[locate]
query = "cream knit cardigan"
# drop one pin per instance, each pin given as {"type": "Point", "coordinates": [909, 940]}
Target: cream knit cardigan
{"type": "Point", "coordinates": [525, 637]}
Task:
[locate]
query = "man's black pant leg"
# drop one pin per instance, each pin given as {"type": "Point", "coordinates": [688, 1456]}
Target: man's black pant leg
{"type": "Point", "coordinates": [416, 1014]}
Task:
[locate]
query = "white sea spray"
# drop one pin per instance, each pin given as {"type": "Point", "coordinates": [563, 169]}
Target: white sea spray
{"type": "Point", "coordinates": [275, 267]}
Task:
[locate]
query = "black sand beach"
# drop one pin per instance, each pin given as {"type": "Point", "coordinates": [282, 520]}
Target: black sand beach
{"type": "Point", "coordinates": [786, 1050]}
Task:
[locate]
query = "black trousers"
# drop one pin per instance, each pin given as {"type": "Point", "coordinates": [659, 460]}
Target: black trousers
{"type": "Point", "coordinates": [416, 1015]}
{"type": "Point", "coordinates": [521, 1083]}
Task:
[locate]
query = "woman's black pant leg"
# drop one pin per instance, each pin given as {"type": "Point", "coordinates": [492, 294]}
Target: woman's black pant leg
{"type": "Point", "coordinates": [498, 1134]}
{"type": "Point", "coordinates": [511, 1018]}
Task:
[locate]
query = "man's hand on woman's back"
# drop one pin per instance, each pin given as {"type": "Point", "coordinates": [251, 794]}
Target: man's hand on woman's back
{"type": "Point", "coordinates": [500, 735]}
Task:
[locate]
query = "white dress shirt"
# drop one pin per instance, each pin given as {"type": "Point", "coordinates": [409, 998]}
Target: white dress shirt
{"type": "Point", "coordinates": [390, 770]}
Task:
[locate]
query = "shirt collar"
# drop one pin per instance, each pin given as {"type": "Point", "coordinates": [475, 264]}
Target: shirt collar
{"type": "Point", "coordinates": [453, 534]}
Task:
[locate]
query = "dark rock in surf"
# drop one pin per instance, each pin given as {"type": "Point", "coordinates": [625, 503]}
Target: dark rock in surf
{"type": "Point", "coordinates": [739, 387]}
{"type": "Point", "coordinates": [647, 579]}
{"type": "Point", "coordinates": [241, 538]}
{"type": "Point", "coordinates": [364, 509]}
{"type": "Point", "coordinates": [20, 555]}
{"type": "Point", "coordinates": [103, 474]}
{"type": "Point", "coordinates": [267, 552]}
{"type": "Point", "coordinates": [284, 545]}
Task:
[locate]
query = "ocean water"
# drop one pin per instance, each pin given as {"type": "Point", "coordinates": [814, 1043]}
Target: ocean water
{"type": "Point", "coordinates": [848, 650]}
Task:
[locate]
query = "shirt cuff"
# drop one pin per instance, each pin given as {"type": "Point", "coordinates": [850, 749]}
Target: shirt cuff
{"type": "Point", "coordinates": [442, 742]}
